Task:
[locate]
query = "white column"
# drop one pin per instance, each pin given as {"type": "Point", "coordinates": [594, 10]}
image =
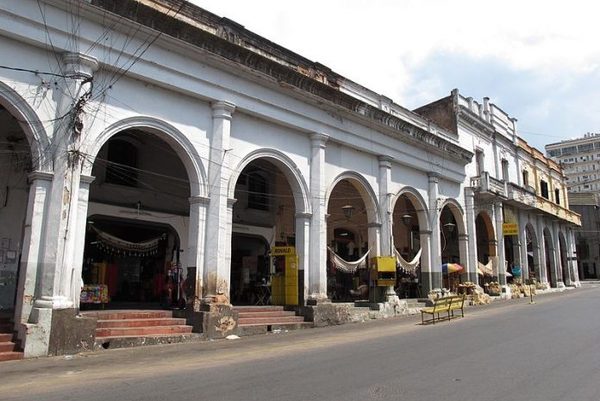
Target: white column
{"type": "Point", "coordinates": [571, 258]}
{"type": "Point", "coordinates": [385, 211]}
{"type": "Point", "coordinates": [463, 250]}
{"type": "Point", "coordinates": [501, 257]}
{"type": "Point", "coordinates": [215, 279]}
{"type": "Point", "coordinates": [525, 268]}
{"type": "Point", "coordinates": [81, 224]}
{"type": "Point", "coordinates": [195, 247]}
{"type": "Point", "coordinates": [317, 277]}
{"type": "Point", "coordinates": [31, 257]}
{"type": "Point", "coordinates": [472, 233]}
{"type": "Point", "coordinates": [60, 236]}
{"type": "Point", "coordinates": [303, 248]}
{"type": "Point", "coordinates": [541, 251]}
{"type": "Point", "coordinates": [425, 240]}
{"type": "Point", "coordinates": [434, 276]}
{"type": "Point", "coordinates": [558, 258]}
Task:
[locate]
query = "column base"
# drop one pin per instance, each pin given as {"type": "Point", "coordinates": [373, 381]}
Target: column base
{"type": "Point", "coordinates": [214, 320]}
{"type": "Point", "coordinates": [53, 302]}
{"type": "Point", "coordinates": [315, 299]}
{"type": "Point", "coordinates": [58, 332]}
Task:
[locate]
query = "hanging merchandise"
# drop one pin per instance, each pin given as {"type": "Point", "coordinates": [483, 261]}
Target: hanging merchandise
{"type": "Point", "coordinates": [345, 266]}
{"type": "Point", "coordinates": [487, 269]}
{"type": "Point", "coordinates": [117, 246]}
{"type": "Point", "coordinates": [408, 267]}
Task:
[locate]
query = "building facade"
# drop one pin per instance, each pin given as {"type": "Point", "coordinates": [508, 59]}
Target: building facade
{"type": "Point", "coordinates": [587, 237]}
{"type": "Point", "coordinates": [579, 159]}
{"type": "Point", "coordinates": [170, 154]}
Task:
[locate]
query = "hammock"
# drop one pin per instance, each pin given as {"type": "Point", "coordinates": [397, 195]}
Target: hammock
{"type": "Point", "coordinates": [345, 266]}
{"type": "Point", "coordinates": [111, 244]}
{"type": "Point", "coordinates": [408, 267]}
{"type": "Point", "coordinates": [491, 268]}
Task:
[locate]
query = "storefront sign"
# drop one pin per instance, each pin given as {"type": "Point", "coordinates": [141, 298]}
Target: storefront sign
{"type": "Point", "coordinates": [283, 250]}
{"type": "Point", "coordinates": [510, 229]}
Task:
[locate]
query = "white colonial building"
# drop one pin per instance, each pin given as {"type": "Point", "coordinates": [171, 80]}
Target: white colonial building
{"type": "Point", "coordinates": [168, 155]}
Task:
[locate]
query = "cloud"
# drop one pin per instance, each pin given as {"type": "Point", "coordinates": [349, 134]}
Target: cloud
{"type": "Point", "coordinates": [538, 61]}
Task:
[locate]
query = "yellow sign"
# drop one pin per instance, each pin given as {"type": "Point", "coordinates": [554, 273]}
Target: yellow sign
{"type": "Point", "coordinates": [510, 229]}
{"type": "Point", "coordinates": [283, 250]}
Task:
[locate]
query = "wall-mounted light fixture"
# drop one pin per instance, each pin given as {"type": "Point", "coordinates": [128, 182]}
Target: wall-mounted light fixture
{"type": "Point", "coordinates": [348, 210]}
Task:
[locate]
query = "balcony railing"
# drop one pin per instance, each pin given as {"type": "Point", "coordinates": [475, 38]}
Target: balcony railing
{"type": "Point", "coordinates": [485, 184]}
{"type": "Point", "coordinates": [527, 198]}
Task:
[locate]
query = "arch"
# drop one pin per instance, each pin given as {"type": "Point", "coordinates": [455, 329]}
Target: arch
{"type": "Point", "coordinates": [550, 248]}
{"type": "Point", "coordinates": [531, 239]}
{"type": "Point", "coordinates": [564, 261]}
{"type": "Point", "coordinates": [484, 218]}
{"type": "Point", "coordinates": [418, 203]}
{"type": "Point", "coordinates": [287, 167]}
{"type": "Point", "coordinates": [30, 124]}
{"type": "Point", "coordinates": [176, 139]}
{"type": "Point", "coordinates": [458, 213]}
{"type": "Point", "coordinates": [364, 189]}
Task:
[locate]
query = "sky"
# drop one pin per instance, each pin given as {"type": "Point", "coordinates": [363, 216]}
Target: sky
{"type": "Point", "coordinates": [539, 61]}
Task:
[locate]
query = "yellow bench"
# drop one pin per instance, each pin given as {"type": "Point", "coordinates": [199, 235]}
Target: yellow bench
{"type": "Point", "coordinates": [444, 305]}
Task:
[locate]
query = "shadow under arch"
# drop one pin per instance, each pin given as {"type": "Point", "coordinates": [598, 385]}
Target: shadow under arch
{"type": "Point", "coordinates": [180, 143]}
{"type": "Point", "coordinates": [418, 203]}
{"type": "Point", "coordinates": [550, 250]}
{"type": "Point", "coordinates": [288, 168]}
{"type": "Point", "coordinates": [30, 124]}
{"type": "Point", "coordinates": [365, 191]}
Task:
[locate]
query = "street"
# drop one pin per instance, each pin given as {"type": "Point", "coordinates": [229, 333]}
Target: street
{"type": "Point", "coordinates": [506, 351]}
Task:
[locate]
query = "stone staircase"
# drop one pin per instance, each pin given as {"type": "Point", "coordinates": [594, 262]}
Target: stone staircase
{"type": "Point", "coordinates": [129, 328]}
{"type": "Point", "coordinates": [263, 319]}
{"type": "Point", "coordinates": [9, 349]}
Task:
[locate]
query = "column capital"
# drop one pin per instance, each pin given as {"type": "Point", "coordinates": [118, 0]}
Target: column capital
{"type": "Point", "coordinates": [424, 232]}
{"type": "Point", "coordinates": [433, 176]}
{"type": "Point", "coordinates": [303, 215]}
{"type": "Point", "coordinates": [204, 200]}
{"type": "Point", "coordinates": [318, 140]}
{"type": "Point", "coordinates": [231, 202]}
{"type": "Point", "coordinates": [463, 237]}
{"type": "Point", "coordinates": [40, 175]}
{"type": "Point", "coordinates": [86, 179]}
{"type": "Point", "coordinates": [222, 109]}
{"type": "Point", "coordinates": [78, 65]}
{"type": "Point", "coordinates": [374, 225]}
{"type": "Point", "coordinates": [385, 161]}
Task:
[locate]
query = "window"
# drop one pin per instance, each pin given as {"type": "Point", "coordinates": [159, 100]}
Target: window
{"type": "Point", "coordinates": [504, 169]}
{"type": "Point", "coordinates": [258, 189]}
{"type": "Point", "coordinates": [122, 163]}
{"type": "Point", "coordinates": [554, 152]}
{"type": "Point", "coordinates": [544, 189]}
{"type": "Point", "coordinates": [557, 196]}
{"type": "Point", "coordinates": [525, 178]}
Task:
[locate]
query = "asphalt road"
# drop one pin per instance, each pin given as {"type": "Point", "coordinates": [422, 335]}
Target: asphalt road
{"type": "Point", "coordinates": [507, 351]}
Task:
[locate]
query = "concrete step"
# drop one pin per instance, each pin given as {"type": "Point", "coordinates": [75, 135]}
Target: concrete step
{"type": "Point", "coordinates": [270, 320]}
{"type": "Point", "coordinates": [138, 341]}
{"type": "Point", "coordinates": [7, 346]}
{"type": "Point", "coordinates": [10, 356]}
{"type": "Point", "coordinates": [268, 308]}
{"type": "Point", "coordinates": [266, 314]}
{"type": "Point", "coordinates": [4, 337]}
{"type": "Point", "coordinates": [129, 314]}
{"type": "Point", "coordinates": [255, 329]}
{"type": "Point", "coordinates": [142, 331]}
{"type": "Point", "coordinates": [101, 324]}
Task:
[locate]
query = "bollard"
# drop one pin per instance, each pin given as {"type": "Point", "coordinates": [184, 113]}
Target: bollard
{"type": "Point", "coordinates": [531, 301]}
